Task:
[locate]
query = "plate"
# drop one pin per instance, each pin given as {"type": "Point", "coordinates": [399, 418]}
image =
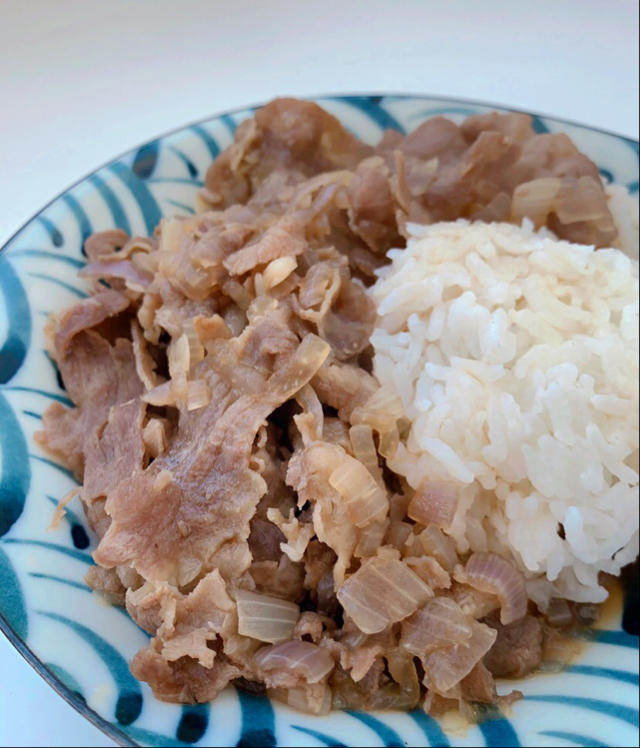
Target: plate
{"type": "Point", "coordinates": [80, 645]}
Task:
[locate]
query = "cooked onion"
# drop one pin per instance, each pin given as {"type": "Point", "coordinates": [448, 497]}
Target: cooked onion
{"type": "Point", "coordinates": [534, 200]}
{"type": "Point", "coordinates": [264, 617]}
{"type": "Point", "coordinates": [440, 623]}
{"type": "Point", "coordinates": [427, 568]}
{"type": "Point", "coordinates": [145, 365]}
{"type": "Point", "coordinates": [444, 668]}
{"type": "Point", "coordinates": [277, 270]}
{"type": "Point", "coordinates": [366, 502]}
{"type": "Point", "coordinates": [196, 349]}
{"type": "Point", "coordinates": [306, 660]}
{"type": "Point", "coordinates": [473, 602]}
{"type": "Point", "coordinates": [559, 613]}
{"type": "Point", "coordinates": [154, 436]}
{"type": "Point", "coordinates": [364, 450]}
{"type": "Point", "coordinates": [490, 573]}
{"type": "Point", "coordinates": [434, 503]}
{"type": "Point", "coordinates": [581, 200]}
{"type": "Point", "coordinates": [382, 591]}
{"type": "Point", "coordinates": [440, 546]}
{"type": "Point", "coordinates": [313, 699]}
{"type": "Point", "coordinates": [198, 394]}
{"type": "Point", "coordinates": [160, 395]}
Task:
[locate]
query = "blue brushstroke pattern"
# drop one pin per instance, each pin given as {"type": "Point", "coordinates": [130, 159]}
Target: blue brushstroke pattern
{"type": "Point", "coordinates": [606, 174]}
{"type": "Point", "coordinates": [495, 728]}
{"type": "Point", "coordinates": [56, 370]}
{"type": "Point", "coordinates": [370, 105]}
{"type": "Point", "coordinates": [53, 464]}
{"type": "Point", "coordinates": [434, 111]}
{"type": "Point", "coordinates": [60, 580]}
{"type": "Point", "coordinates": [16, 473]}
{"type": "Point", "coordinates": [228, 121]}
{"type": "Point", "coordinates": [54, 233]}
{"type": "Point", "coordinates": [176, 180]}
{"type": "Point", "coordinates": [618, 638]}
{"type": "Point", "coordinates": [258, 721]}
{"type": "Point", "coordinates": [430, 728]}
{"type": "Point", "coordinates": [575, 737]}
{"type": "Point", "coordinates": [129, 703]}
{"type": "Point", "coordinates": [321, 737]}
{"type": "Point", "coordinates": [145, 160]}
{"type": "Point", "coordinates": [43, 254]}
{"type": "Point", "coordinates": [193, 724]}
{"type": "Point", "coordinates": [15, 347]}
{"type": "Point", "coordinates": [191, 167]}
{"type": "Point", "coordinates": [34, 390]}
{"type": "Point", "coordinates": [33, 414]}
{"type": "Point", "coordinates": [604, 672]}
{"type": "Point", "coordinates": [633, 187]}
{"type": "Point", "coordinates": [65, 677]}
{"type": "Point", "coordinates": [71, 552]}
{"type": "Point", "coordinates": [610, 708]}
{"type": "Point", "coordinates": [389, 737]}
{"type": "Point", "coordinates": [78, 533]}
{"type": "Point", "coordinates": [57, 282]}
{"type": "Point", "coordinates": [120, 219]}
{"type": "Point", "coordinates": [538, 124]}
{"type": "Point", "coordinates": [181, 206]}
{"type": "Point", "coordinates": [12, 604]}
{"type": "Point", "coordinates": [207, 139]}
{"type": "Point", "coordinates": [84, 224]}
{"type": "Point", "coordinates": [149, 737]}
{"type": "Point", "coordinates": [146, 201]}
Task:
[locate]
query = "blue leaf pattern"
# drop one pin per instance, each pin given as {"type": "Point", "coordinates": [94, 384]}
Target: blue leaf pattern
{"type": "Point", "coordinates": [12, 605]}
{"type": "Point", "coordinates": [14, 348]}
{"type": "Point", "coordinates": [16, 474]}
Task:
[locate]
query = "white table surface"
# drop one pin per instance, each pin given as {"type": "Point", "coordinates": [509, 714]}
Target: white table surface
{"type": "Point", "coordinates": [81, 82]}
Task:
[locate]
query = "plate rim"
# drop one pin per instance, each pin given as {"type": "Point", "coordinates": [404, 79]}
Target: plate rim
{"type": "Point", "coordinates": [108, 728]}
{"type": "Point", "coordinates": [313, 97]}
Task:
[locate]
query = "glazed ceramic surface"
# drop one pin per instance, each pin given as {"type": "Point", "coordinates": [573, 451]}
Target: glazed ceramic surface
{"type": "Point", "coordinates": [82, 646]}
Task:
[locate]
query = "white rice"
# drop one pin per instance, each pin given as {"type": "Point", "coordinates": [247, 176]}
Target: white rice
{"type": "Point", "coordinates": [515, 356]}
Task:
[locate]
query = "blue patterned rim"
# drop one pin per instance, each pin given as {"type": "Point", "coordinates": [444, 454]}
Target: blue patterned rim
{"type": "Point", "coordinates": [136, 190]}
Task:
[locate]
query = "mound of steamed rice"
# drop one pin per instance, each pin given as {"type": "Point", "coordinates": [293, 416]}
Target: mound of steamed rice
{"type": "Point", "coordinates": [515, 356]}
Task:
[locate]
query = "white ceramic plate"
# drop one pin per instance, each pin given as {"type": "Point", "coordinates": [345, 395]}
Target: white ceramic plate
{"type": "Point", "coordinates": [82, 647]}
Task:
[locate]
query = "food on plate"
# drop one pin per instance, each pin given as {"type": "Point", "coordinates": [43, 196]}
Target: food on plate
{"type": "Point", "coordinates": [363, 432]}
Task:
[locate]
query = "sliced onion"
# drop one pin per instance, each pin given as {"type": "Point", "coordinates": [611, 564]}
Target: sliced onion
{"type": "Point", "coordinates": [440, 623]}
{"type": "Point", "coordinates": [178, 356]}
{"type": "Point", "coordinates": [278, 270]}
{"type": "Point", "coordinates": [264, 617]}
{"type": "Point", "coordinates": [559, 613]}
{"type": "Point", "coordinates": [434, 503]}
{"type": "Point", "coordinates": [381, 592]}
{"type": "Point", "coordinates": [490, 573]}
{"type": "Point", "coordinates": [196, 349]}
{"type": "Point", "coordinates": [154, 436]}
{"type": "Point", "coordinates": [473, 602]}
{"type": "Point", "coordinates": [370, 539]}
{"type": "Point", "coordinates": [308, 661]}
{"type": "Point", "coordinates": [160, 395]}
{"type": "Point", "coordinates": [313, 699]}
{"type": "Point", "coordinates": [535, 199]}
{"type": "Point", "coordinates": [583, 200]}
{"type": "Point", "coordinates": [427, 568]}
{"type": "Point", "coordinates": [364, 449]}
{"type": "Point", "coordinates": [440, 546]}
{"type": "Point", "coordinates": [366, 502]}
{"type": "Point", "coordinates": [145, 365]}
{"type": "Point", "coordinates": [198, 394]}
{"type": "Point", "coordinates": [445, 668]}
